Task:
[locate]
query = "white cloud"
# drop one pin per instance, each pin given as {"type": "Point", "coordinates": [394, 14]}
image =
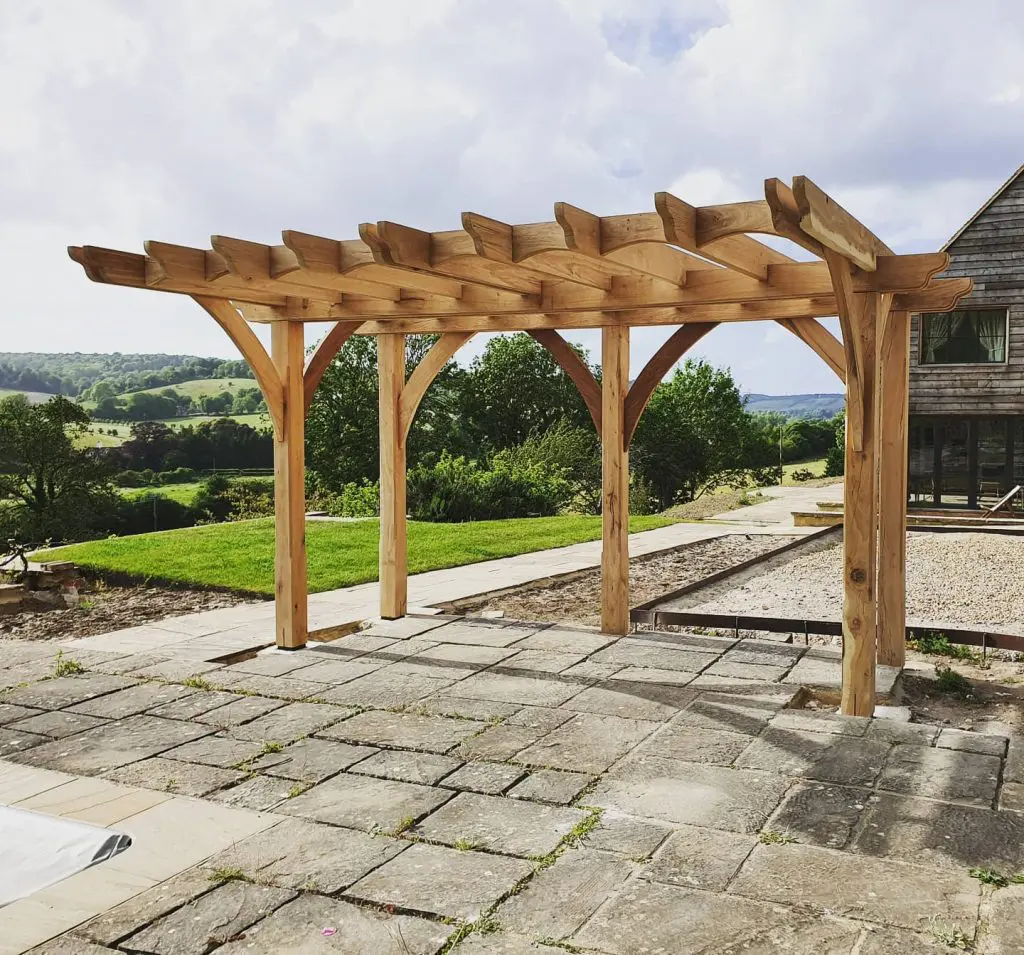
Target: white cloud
{"type": "Point", "coordinates": [125, 120]}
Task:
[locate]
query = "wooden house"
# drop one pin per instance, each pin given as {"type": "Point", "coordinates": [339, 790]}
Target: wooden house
{"type": "Point", "coordinates": [966, 435]}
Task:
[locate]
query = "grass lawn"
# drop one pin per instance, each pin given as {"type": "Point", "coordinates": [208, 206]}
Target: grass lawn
{"type": "Point", "coordinates": [815, 466]}
{"type": "Point", "coordinates": [241, 555]}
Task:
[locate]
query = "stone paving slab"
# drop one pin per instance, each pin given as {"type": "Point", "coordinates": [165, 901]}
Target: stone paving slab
{"type": "Point", "coordinates": [941, 834]}
{"type": "Point", "coordinates": [212, 919]}
{"type": "Point", "coordinates": [299, 854]}
{"type": "Point", "coordinates": [894, 893]}
{"type": "Point", "coordinates": [442, 881]}
{"type": "Point", "coordinates": [562, 897]}
{"type": "Point", "coordinates": [500, 825]}
{"type": "Point", "coordinates": [298, 927]}
{"type": "Point", "coordinates": [312, 760]}
{"type": "Point", "coordinates": [650, 917]}
{"type": "Point", "coordinates": [366, 803]}
{"type": "Point", "coordinates": [112, 745]}
{"type": "Point", "coordinates": [727, 821]}
{"type": "Point", "coordinates": [173, 776]}
{"type": "Point", "coordinates": [677, 792]}
{"type": "Point", "coordinates": [587, 743]}
{"type": "Point", "coordinates": [431, 734]}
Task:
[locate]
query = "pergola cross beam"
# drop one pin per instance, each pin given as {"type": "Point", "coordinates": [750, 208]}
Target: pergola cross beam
{"type": "Point", "coordinates": [692, 267]}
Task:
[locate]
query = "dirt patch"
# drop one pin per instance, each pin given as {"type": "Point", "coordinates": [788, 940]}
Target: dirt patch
{"type": "Point", "coordinates": [991, 700]}
{"type": "Point", "coordinates": [577, 598]}
{"type": "Point", "coordinates": [106, 608]}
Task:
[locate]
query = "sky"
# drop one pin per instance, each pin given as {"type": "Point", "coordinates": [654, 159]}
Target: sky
{"type": "Point", "coordinates": [128, 120]}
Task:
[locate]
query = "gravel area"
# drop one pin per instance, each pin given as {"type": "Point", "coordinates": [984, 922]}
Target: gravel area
{"type": "Point", "coordinates": [577, 597]}
{"type": "Point", "coordinates": [968, 579]}
{"type": "Point", "coordinates": [107, 608]}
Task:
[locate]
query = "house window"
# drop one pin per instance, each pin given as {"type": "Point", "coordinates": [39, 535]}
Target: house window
{"type": "Point", "coordinates": [964, 336]}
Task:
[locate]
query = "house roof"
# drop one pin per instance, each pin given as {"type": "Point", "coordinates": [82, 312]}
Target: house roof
{"type": "Point", "coordinates": [995, 195]}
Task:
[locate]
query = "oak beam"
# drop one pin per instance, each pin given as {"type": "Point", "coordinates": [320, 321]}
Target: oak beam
{"type": "Point", "coordinates": [678, 343]}
{"type": "Point", "coordinates": [615, 481]}
{"type": "Point", "coordinates": [393, 548]}
{"type": "Point", "coordinates": [823, 219]}
{"type": "Point", "coordinates": [860, 315]}
{"type": "Point", "coordinates": [576, 368]}
{"type": "Point", "coordinates": [290, 574]}
{"type": "Point", "coordinates": [817, 337]}
{"type": "Point", "coordinates": [264, 369]}
{"type": "Point", "coordinates": [322, 357]}
{"type": "Point", "coordinates": [786, 215]}
{"type": "Point", "coordinates": [893, 416]}
{"type": "Point", "coordinates": [441, 352]}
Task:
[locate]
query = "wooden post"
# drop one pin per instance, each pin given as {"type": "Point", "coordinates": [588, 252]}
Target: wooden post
{"type": "Point", "coordinates": [615, 479]}
{"type": "Point", "coordinates": [393, 565]}
{"type": "Point", "coordinates": [893, 401]}
{"type": "Point", "coordinates": [290, 579]}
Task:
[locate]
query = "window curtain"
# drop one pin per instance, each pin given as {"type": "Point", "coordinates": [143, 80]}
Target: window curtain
{"type": "Point", "coordinates": [938, 328]}
{"type": "Point", "coordinates": [992, 334]}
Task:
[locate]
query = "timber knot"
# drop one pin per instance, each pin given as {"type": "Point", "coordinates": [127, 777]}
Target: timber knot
{"type": "Point", "coordinates": [858, 576]}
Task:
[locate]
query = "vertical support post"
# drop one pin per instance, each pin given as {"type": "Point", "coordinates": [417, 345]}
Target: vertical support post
{"type": "Point", "coordinates": [290, 579]}
{"type": "Point", "coordinates": [393, 558]}
{"type": "Point", "coordinates": [973, 426]}
{"type": "Point", "coordinates": [893, 417]}
{"type": "Point", "coordinates": [615, 480]}
{"type": "Point", "coordinates": [861, 315]}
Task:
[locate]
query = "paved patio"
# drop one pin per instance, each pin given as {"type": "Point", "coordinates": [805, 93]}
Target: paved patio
{"type": "Point", "coordinates": [442, 785]}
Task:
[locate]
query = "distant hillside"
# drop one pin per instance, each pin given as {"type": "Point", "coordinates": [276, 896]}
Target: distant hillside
{"type": "Point", "coordinates": [797, 406]}
{"type": "Point", "coordinates": [76, 373]}
{"type": "Point", "coordinates": [34, 397]}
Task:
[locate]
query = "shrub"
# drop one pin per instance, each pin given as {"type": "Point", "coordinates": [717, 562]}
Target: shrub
{"type": "Point", "coordinates": [354, 500]}
{"type": "Point", "coordinates": [176, 476]}
{"type": "Point", "coordinates": [456, 489]}
{"type": "Point", "coordinates": [151, 512]}
{"type": "Point", "coordinates": [131, 479]}
{"type": "Point", "coordinates": [803, 474]}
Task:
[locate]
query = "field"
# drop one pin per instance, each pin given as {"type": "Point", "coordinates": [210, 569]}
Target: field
{"type": "Point", "coordinates": [34, 397]}
{"type": "Point", "coordinates": [183, 493]}
{"type": "Point", "coordinates": [816, 467]}
{"type": "Point", "coordinates": [98, 433]}
{"type": "Point", "coordinates": [201, 386]}
{"type": "Point", "coordinates": [240, 556]}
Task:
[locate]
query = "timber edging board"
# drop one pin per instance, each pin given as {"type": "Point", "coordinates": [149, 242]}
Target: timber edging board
{"type": "Point", "coordinates": [736, 622]}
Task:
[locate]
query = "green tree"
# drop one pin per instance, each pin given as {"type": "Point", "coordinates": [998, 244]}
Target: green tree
{"type": "Point", "coordinates": [341, 428]}
{"type": "Point", "coordinates": [51, 489]}
{"type": "Point", "coordinates": [516, 390]}
{"type": "Point", "coordinates": [696, 434]}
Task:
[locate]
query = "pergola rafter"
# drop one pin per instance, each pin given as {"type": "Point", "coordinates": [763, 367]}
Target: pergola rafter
{"type": "Point", "coordinates": [693, 267]}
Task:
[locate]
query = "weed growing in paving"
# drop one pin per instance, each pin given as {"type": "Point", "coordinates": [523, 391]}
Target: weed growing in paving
{"type": "Point", "coordinates": [233, 874]}
{"type": "Point", "coordinates": [937, 644]}
{"type": "Point", "coordinates": [269, 746]}
{"type": "Point", "coordinates": [485, 925]}
{"type": "Point", "coordinates": [997, 879]}
{"type": "Point", "coordinates": [953, 937]}
{"type": "Point", "coordinates": [404, 824]}
{"type": "Point", "coordinates": [197, 683]}
{"type": "Point", "coordinates": [66, 666]}
{"type": "Point", "coordinates": [465, 845]}
{"type": "Point", "coordinates": [947, 680]}
{"type": "Point", "coordinates": [772, 838]}
{"type": "Point", "coordinates": [297, 790]}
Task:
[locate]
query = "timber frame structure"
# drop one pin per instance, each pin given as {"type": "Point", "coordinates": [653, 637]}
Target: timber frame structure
{"type": "Point", "coordinates": [681, 265]}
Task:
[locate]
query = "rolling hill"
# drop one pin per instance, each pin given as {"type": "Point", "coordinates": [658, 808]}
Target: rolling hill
{"type": "Point", "coordinates": [798, 406]}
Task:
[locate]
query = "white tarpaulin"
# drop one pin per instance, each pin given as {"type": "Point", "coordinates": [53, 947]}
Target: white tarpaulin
{"type": "Point", "coordinates": [38, 850]}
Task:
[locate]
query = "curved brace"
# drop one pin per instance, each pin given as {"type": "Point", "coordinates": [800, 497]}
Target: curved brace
{"type": "Point", "coordinates": [575, 367]}
{"type": "Point", "coordinates": [267, 377]}
{"type": "Point", "coordinates": [824, 344]}
{"type": "Point", "coordinates": [680, 342]}
{"type": "Point", "coordinates": [423, 375]}
{"type": "Point", "coordinates": [322, 357]}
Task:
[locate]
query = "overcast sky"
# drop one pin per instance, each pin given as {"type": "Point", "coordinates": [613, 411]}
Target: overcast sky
{"type": "Point", "coordinates": [125, 121]}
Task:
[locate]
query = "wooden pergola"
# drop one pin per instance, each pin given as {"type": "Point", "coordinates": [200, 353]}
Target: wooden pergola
{"type": "Point", "coordinates": [684, 266]}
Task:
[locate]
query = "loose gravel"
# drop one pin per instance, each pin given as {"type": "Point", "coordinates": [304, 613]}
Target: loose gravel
{"type": "Point", "coordinates": [974, 580]}
{"type": "Point", "coordinates": [577, 598]}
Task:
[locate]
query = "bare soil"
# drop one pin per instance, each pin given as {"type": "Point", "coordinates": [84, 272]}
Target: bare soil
{"type": "Point", "coordinates": [106, 608]}
{"type": "Point", "coordinates": [576, 598]}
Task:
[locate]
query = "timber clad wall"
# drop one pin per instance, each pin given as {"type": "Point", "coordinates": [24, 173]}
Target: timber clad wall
{"type": "Point", "coordinates": [991, 251]}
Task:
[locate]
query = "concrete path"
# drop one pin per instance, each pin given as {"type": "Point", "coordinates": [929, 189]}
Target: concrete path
{"type": "Point", "coordinates": [215, 633]}
{"type": "Point", "coordinates": [778, 510]}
